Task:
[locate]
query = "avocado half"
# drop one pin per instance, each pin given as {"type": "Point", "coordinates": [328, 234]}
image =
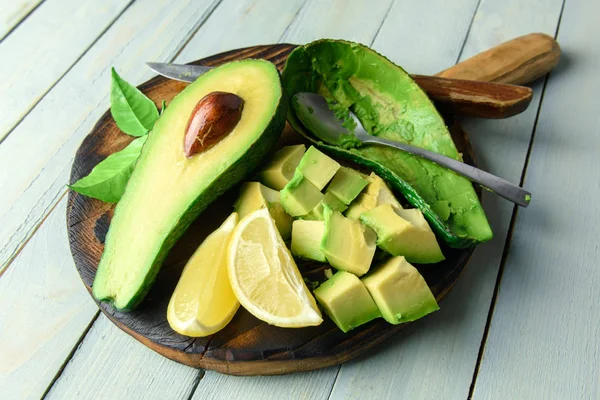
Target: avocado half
{"type": "Point", "coordinates": [390, 104]}
{"type": "Point", "coordinates": [168, 190]}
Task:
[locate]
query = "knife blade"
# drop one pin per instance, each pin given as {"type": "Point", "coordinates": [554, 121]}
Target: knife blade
{"type": "Point", "coordinates": [178, 72]}
{"type": "Point", "coordinates": [458, 96]}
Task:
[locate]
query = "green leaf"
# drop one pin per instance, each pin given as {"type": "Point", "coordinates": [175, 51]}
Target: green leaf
{"type": "Point", "coordinates": [108, 179]}
{"type": "Point", "coordinates": [163, 107]}
{"type": "Point", "coordinates": [134, 113]}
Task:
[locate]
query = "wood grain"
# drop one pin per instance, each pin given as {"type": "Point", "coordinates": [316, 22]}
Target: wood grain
{"type": "Point", "coordinates": [475, 98]}
{"type": "Point", "coordinates": [544, 338]}
{"type": "Point", "coordinates": [532, 56]}
{"type": "Point", "coordinates": [313, 385]}
{"type": "Point", "coordinates": [100, 380]}
{"type": "Point", "coordinates": [425, 37]}
{"type": "Point", "coordinates": [148, 30]}
{"type": "Point", "coordinates": [13, 12]}
{"type": "Point", "coordinates": [247, 22]}
{"type": "Point", "coordinates": [59, 38]}
{"type": "Point", "coordinates": [44, 312]}
{"type": "Point", "coordinates": [357, 20]}
{"type": "Point", "coordinates": [438, 359]}
{"type": "Point", "coordinates": [246, 346]}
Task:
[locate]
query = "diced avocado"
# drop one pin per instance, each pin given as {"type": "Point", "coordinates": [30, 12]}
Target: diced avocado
{"type": "Point", "coordinates": [403, 233]}
{"type": "Point", "coordinates": [375, 194]}
{"type": "Point", "coordinates": [347, 184]}
{"type": "Point", "coordinates": [254, 195]}
{"type": "Point", "coordinates": [281, 169]}
{"type": "Point", "coordinates": [361, 204]}
{"type": "Point", "coordinates": [306, 239]}
{"type": "Point", "coordinates": [414, 216]}
{"type": "Point", "coordinates": [347, 301]}
{"type": "Point", "coordinates": [168, 190]}
{"type": "Point", "coordinates": [317, 167]}
{"type": "Point", "coordinates": [300, 196]}
{"type": "Point", "coordinates": [332, 201]}
{"type": "Point", "coordinates": [390, 105]}
{"type": "Point", "coordinates": [400, 291]}
{"type": "Point", "coordinates": [347, 244]}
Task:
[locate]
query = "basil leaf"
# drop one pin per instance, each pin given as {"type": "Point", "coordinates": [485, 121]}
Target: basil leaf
{"type": "Point", "coordinates": [134, 113]}
{"type": "Point", "coordinates": [108, 179]}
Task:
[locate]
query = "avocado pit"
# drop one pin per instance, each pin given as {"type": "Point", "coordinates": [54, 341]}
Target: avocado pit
{"type": "Point", "coordinates": [213, 118]}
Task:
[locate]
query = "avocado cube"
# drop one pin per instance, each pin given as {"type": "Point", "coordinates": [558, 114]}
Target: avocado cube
{"type": "Point", "coordinates": [317, 167]}
{"type": "Point", "coordinates": [332, 201]}
{"type": "Point", "coordinates": [400, 291]}
{"type": "Point", "coordinates": [300, 196]}
{"type": "Point", "coordinates": [255, 195]}
{"type": "Point", "coordinates": [403, 233]}
{"type": "Point", "coordinates": [347, 244]}
{"type": "Point", "coordinates": [347, 301]}
{"type": "Point", "coordinates": [282, 167]}
{"type": "Point", "coordinates": [361, 204]}
{"type": "Point", "coordinates": [306, 239]}
{"type": "Point", "coordinates": [375, 194]}
{"type": "Point", "coordinates": [347, 184]}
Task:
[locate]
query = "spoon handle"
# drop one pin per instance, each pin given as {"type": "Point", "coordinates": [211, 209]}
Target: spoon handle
{"type": "Point", "coordinates": [488, 181]}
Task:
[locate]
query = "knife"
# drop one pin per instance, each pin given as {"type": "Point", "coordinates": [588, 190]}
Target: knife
{"type": "Point", "coordinates": [458, 96]}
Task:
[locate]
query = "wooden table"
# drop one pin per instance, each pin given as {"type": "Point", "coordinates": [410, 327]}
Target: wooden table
{"type": "Point", "coordinates": [522, 323]}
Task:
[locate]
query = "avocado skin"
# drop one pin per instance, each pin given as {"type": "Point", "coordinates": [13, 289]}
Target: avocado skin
{"type": "Point", "coordinates": [299, 75]}
{"type": "Point", "coordinates": [235, 174]}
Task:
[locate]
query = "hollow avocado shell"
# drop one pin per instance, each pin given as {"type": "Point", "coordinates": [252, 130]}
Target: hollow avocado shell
{"type": "Point", "coordinates": [328, 66]}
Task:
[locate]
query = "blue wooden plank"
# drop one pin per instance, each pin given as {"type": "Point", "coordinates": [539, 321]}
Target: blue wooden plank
{"type": "Point", "coordinates": [436, 357]}
{"type": "Point", "coordinates": [356, 20]}
{"type": "Point", "coordinates": [241, 23]}
{"type": "Point", "coordinates": [44, 309]}
{"type": "Point", "coordinates": [425, 37]}
{"type": "Point", "coordinates": [13, 12]}
{"type": "Point", "coordinates": [59, 39]}
{"type": "Point", "coordinates": [113, 365]}
{"type": "Point", "coordinates": [544, 338]}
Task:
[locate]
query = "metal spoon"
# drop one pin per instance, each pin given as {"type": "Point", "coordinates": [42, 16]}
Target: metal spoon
{"type": "Point", "coordinates": [315, 114]}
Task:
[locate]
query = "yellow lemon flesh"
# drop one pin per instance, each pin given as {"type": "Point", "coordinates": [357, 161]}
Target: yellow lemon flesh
{"type": "Point", "coordinates": [264, 276]}
{"type": "Point", "coordinates": [203, 301]}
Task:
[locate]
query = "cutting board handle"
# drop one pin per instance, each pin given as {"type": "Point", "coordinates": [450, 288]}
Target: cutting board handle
{"type": "Point", "coordinates": [518, 61]}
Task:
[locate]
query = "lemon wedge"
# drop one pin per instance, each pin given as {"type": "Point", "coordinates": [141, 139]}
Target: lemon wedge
{"type": "Point", "coordinates": [203, 301]}
{"type": "Point", "coordinates": [264, 276]}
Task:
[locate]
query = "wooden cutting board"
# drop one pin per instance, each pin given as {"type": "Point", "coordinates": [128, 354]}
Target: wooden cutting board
{"type": "Point", "coordinates": [247, 346]}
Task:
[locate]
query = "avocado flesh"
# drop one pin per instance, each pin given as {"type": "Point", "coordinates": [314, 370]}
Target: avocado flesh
{"type": "Point", "coordinates": [300, 196]}
{"type": "Point", "coordinates": [347, 244]}
{"type": "Point", "coordinates": [255, 195]}
{"type": "Point", "coordinates": [375, 194]}
{"type": "Point", "coordinates": [306, 239]}
{"type": "Point", "coordinates": [332, 201]}
{"type": "Point", "coordinates": [347, 301]}
{"type": "Point", "coordinates": [317, 167]}
{"type": "Point", "coordinates": [347, 184]}
{"type": "Point", "coordinates": [281, 168]}
{"type": "Point", "coordinates": [167, 190]}
{"type": "Point", "coordinates": [403, 233]}
{"type": "Point", "coordinates": [391, 105]}
{"type": "Point", "coordinates": [400, 291]}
